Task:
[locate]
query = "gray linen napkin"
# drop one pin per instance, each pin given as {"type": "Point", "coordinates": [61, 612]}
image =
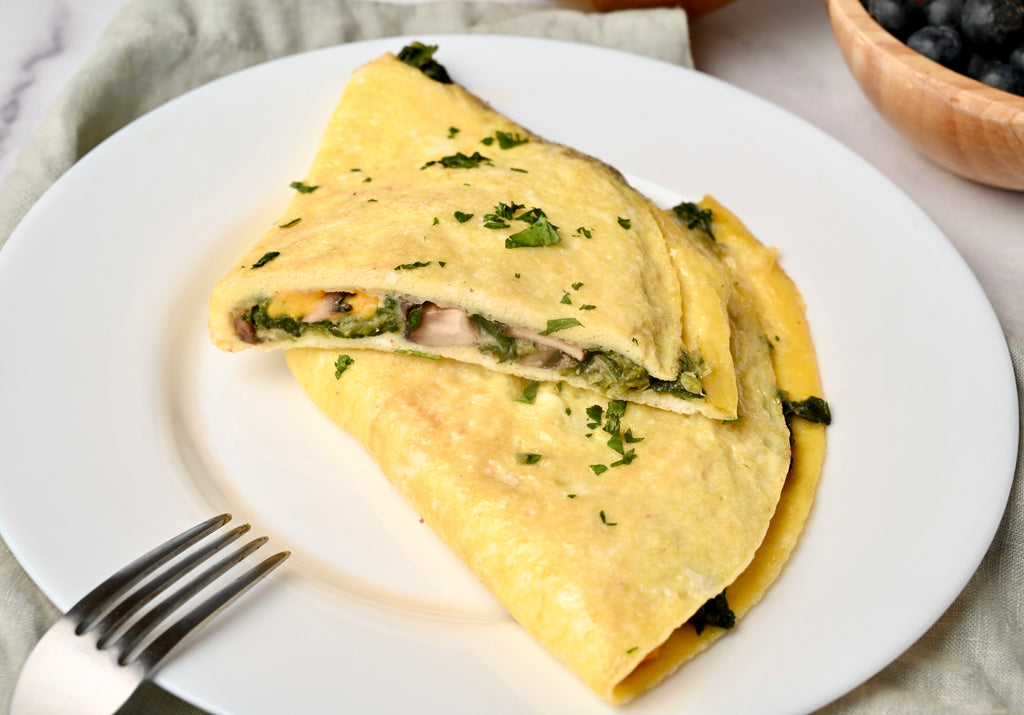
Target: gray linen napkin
{"type": "Point", "coordinates": [971, 661]}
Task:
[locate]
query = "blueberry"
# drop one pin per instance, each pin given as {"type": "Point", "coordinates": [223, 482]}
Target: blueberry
{"type": "Point", "coordinates": [1016, 58]}
{"type": "Point", "coordinates": [975, 65]}
{"type": "Point", "coordinates": [942, 12]}
{"type": "Point", "coordinates": [993, 26]}
{"type": "Point", "coordinates": [899, 17]}
{"type": "Point", "coordinates": [996, 74]}
{"type": "Point", "coordinates": [941, 43]}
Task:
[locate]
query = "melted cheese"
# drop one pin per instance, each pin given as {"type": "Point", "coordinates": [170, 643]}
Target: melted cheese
{"type": "Point", "coordinates": [294, 305]}
{"type": "Point", "coordinates": [363, 305]}
{"type": "Point", "coordinates": [299, 304]}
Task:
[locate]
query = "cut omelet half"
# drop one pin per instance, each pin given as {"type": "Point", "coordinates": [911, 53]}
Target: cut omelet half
{"type": "Point", "coordinates": [624, 538]}
{"type": "Point", "coordinates": [432, 224]}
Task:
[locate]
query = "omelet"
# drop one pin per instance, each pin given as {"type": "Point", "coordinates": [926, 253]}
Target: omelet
{"type": "Point", "coordinates": [431, 224]}
{"type": "Point", "coordinates": [625, 538]}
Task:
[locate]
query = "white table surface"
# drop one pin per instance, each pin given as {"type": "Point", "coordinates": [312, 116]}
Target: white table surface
{"type": "Point", "coordinates": [781, 50]}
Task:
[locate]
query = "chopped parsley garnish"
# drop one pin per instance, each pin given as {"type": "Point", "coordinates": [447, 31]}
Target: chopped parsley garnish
{"type": "Point", "coordinates": [615, 443]}
{"type": "Point", "coordinates": [585, 232]}
{"type": "Point", "coordinates": [588, 306]}
{"type": "Point", "coordinates": [460, 161]}
{"type": "Point", "coordinates": [265, 259]}
{"type": "Point", "coordinates": [421, 57]}
{"type": "Point", "coordinates": [461, 217]}
{"type": "Point", "coordinates": [411, 266]}
{"type": "Point", "coordinates": [507, 140]}
{"type": "Point", "coordinates": [556, 324]}
{"type": "Point", "coordinates": [418, 353]}
{"type": "Point", "coordinates": [502, 214]}
{"type": "Point", "coordinates": [577, 286]}
{"type": "Point", "coordinates": [368, 179]}
{"type": "Point", "coordinates": [632, 650]}
{"type": "Point", "coordinates": [571, 496]}
{"type": "Point", "coordinates": [516, 168]}
{"type": "Point", "coordinates": [813, 409]}
{"type": "Point", "coordinates": [341, 365]}
{"type": "Point", "coordinates": [436, 221]}
{"type": "Point", "coordinates": [627, 458]}
{"type": "Point", "coordinates": [532, 216]}
{"type": "Point", "coordinates": [624, 222]}
{"type": "Point", "coordinates": [452, 131]}
{"type": "Point", "coordinates": [539, 233]}
{"type": "Point", "coordinates": [613, 416]}
{"type": "Point", "coordinates": [529, 392]}
{"type": "Point", "coordinates": [694, 217]}
{"type": "Point", "coordinates": [291, 223]}
{"type": "Point", "coordinates": [604, 520]}
{"type": "Point", "coordinates": [715, 612]}
{"type": "Point", "coordinates": [566, 299]}
{"type": "Point", "coordinates": [303, 188]}
{"type": "Point", "coordinates": [528, 457]}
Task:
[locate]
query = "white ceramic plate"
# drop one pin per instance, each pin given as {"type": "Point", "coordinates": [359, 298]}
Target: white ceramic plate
{"type": "Point", "coordinates": [122, 425]}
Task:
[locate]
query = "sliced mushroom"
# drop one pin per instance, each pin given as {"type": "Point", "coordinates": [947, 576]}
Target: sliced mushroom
{"type": "Point", "coordinates": [545, 357]}
{"type": "Point", "coordinates": [244, 329]}
{"type": "Point", "coordinates": [441, 327]}
{"type": "Point", "coordinates": [573, 351]}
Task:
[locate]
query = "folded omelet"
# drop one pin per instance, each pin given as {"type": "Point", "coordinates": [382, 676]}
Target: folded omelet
{"type": "Point", "coordinates": [430, 223]}
{"type": "Point", "coordinates": [625, 538]}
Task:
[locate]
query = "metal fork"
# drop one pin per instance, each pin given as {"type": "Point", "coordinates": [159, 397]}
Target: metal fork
{"type": "Point", "coordinates": [92, 659]}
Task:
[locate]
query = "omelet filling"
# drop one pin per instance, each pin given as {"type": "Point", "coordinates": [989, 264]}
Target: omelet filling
{"type": "Point", "coordinates": [354, 314]}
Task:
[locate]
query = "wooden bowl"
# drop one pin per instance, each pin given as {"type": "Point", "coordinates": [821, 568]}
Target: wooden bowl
{"type": "Point", "coordinates": [971, 129]}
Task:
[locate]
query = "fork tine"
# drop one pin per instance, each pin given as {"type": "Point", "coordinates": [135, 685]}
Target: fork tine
{"type": "Point", "coordinates": [160, 648]}
{"type": "Point", "coordinates": [145, 625]}
{"type": "Point", "coordinates": [146, 593]}
{"type": "Point", "coordinates": [87, 610]}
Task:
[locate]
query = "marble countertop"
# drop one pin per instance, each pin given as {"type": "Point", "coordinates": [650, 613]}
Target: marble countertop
{"type": "Point", "coordinates": [798, 67]}
{"type": "Point", "coordinates": [42, 44]}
